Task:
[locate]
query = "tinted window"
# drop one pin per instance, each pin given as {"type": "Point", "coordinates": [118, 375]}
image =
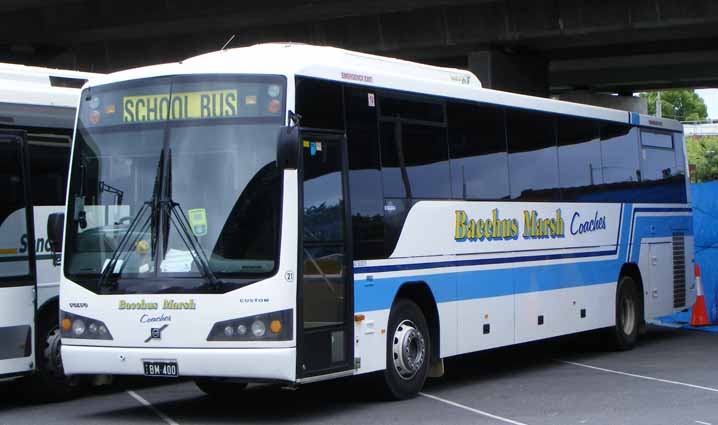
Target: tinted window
{"type": "Point", "coordinates": [656, 139]}
{"type": "Point", "coordinates": [364, 174]}
{"type": "Point", "coordinates": [411, 109]}
{"type": "Point", "coordinates": [12, 211]}
{"type": "Point", "coordinates": [323, 196]}
{"type": "Point", "coordinates": [619, 148]}
{"type": "Point", "coordinates": [426, 157]}
{"type": "Point", "coordinates": [657, 163]}
{"type": "Point", "coordinates": [391, 171]}
{"type": "Point", "coordinates": [477, 147]}
{"type": "Point", "coordinates": [579, 156]}
{"type": "Point", "coordinates": [533, 162]}
{"type": "Point", "coordinates": [319, 103]}
{"type": "Point", "coordinates": [663, 177]}
{"type": "Point", "coordinates": [49, 163]}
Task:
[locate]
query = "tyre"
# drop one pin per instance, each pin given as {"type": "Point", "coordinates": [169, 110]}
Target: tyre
{"type": "Point", "coordinates": [628, 314]}
{"type": "Point", "coordinates": [219, 389]}
{"type": "Point", "coordinates": [408, 348]}
{"type": "Point", "coordinates": [50, 380]}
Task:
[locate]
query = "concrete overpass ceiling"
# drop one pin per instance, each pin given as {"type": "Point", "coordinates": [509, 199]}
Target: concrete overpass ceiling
{"type": "Point", "coordinates": [598, 45]}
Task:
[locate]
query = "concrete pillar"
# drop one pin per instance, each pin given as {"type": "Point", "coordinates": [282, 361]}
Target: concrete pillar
{"type": "Point", "coordinates": [624, 102]}
{"type": "Point", "coordinates": [523, 73]}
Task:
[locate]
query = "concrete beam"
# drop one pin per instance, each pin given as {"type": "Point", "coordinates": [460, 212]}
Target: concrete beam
{"type": "Point", "coordinates": [525, 73]}
{"type": "Point", "coordinates": [634, 73]}
{"type": "Point", "coordinates": [626, 103]}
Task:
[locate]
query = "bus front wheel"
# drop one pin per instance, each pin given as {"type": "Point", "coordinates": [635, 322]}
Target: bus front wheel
{"type": "Point", "coordinates": [407, 351]}
{"type": "Point", "coordinates": [628, 315]}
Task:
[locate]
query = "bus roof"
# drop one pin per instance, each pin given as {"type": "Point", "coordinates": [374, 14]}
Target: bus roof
{"type": "Point", "coordinates": [347, 66]}
{"type": "Point", "coordinates": [29, 85]}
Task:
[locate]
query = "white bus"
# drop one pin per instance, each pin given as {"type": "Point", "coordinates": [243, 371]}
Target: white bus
{"type": "Point", "coordinates": [37, 115]}
{"type": "Point", "coordinates": [291, 213]}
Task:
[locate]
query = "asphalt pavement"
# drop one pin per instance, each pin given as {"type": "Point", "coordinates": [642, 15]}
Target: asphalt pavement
{"type": "Point", "coordinates": [670, 378]}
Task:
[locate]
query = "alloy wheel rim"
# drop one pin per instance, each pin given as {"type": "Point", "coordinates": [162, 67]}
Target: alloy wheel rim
{"type": "Point", "coordinates": [408, 350]}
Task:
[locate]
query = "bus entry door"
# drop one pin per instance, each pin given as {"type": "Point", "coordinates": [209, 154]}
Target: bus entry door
{"type": "Point", "coordinates": [325, 298]}
{"type": "Point", "coordinates": [17, 259]}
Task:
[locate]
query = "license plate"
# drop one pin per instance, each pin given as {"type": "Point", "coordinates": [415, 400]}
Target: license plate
{"type": "Point", "coordinates": [161, 368]}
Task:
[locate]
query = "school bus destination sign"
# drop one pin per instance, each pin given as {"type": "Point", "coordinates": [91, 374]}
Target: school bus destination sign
{"type": "Point", "coordinates": [180, 106]}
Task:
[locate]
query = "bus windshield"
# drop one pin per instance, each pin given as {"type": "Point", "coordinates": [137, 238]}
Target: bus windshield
{"type": "Point", "coordinates": [173, 179]}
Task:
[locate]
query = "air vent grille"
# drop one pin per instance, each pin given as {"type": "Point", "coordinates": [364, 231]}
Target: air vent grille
{"type": "Point", "coordinates": [679, 270]}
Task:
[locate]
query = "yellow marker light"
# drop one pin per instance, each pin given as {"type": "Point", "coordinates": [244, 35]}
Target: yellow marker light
{"type": "Point", "coordinates": [359, 317]}
{"type": "Point", "coordinates": [66, 324]}
{"type": "Point", "coordinates": [275, 326]}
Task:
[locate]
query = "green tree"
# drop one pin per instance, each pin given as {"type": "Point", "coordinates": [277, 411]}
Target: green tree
{"type": "Point", "coordinates": [682, 105]}
{"type": "Point", "coordinates": [703, 154]}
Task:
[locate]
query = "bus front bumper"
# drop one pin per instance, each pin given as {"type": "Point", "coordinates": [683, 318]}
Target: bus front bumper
{"type": "Point", "coordinates": [243, 363]}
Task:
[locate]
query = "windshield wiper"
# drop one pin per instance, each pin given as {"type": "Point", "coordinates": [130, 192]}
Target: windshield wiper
{"type": "Point", "coordinates": [131, 233]}
{"type": "Point", "coordinates": [183, 225]}
{"type": "Point", "coordinates": [109, 268]}
{"type": "Point", "coordinates": [191, 242]}
{"type": "Point", "coordinates": [174, 214]}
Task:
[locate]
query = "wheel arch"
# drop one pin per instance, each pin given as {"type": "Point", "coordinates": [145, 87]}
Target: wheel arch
{"type": "Point", "coordinates": [420, 293]}
{"type": "Point", "coordinates": [632, 270]}
{"type": "Point", "coordinates": [48, 309]}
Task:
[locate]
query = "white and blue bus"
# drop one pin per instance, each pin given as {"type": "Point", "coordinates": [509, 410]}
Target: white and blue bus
{"type": "Point", "coordinates": [291, 213]}
{"type": "Point", "coordinates": [38, 107]}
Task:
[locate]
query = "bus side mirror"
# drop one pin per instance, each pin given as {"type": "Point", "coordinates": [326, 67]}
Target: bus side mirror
{"type": "Point", "coordinates": [288, 148]}
{"type": "Point", "coordinates": [55, 224]}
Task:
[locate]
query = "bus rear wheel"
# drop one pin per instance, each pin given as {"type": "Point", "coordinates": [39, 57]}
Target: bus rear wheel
{"type": "Point", "coordinates": [407, 351]}
{"type": "Point", "coordinates": [628, 315]}
{"type": "Point", "coordinates": [219, 388]}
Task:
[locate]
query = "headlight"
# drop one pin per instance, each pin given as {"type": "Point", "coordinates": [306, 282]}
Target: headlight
{"type": "Point", "coordinates": [274, 326]}
{"type": "Point", "coordinates": [76, 326]}
{"type": "Point", "coordinates": [258, 328]}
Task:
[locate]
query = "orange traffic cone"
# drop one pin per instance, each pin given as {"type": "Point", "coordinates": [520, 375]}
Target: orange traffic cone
{"type": "Point", "coordinates": [699, 315]}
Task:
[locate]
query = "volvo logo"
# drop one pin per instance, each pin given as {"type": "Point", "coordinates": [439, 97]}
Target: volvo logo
{"type": "Point", "coordinates": [156, 333]}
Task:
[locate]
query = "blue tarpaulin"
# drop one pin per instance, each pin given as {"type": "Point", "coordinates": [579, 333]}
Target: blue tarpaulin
{"type": "Point", "coordinates": [704, 197]}
{"type": "Point", "coordinates": [705, 228]}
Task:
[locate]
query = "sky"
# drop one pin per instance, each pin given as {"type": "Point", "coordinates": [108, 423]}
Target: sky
{"type": "Point", "coordinates": [710, 96]}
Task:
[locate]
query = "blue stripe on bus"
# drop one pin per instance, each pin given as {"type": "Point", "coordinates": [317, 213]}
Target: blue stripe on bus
{"type": "Point", "coordinates": [378, 293]}
{"type": "Point", "coordinates": [475, 262]}
{"type": "Point", "coordinates": [634, 118]}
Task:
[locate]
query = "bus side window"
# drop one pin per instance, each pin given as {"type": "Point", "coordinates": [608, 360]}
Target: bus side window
{"type": "Point", "coordinates": [49, 164]}
{"type": "Point", "coordinates": [415, 152]}
{"type": "Point", "coordinates": [320, 104]}
{"type": "Point", "coordinates": [426, 157]}
{"type": "Point", "coordinates": [533, 159]}
{"type": "Point", "coordinates": [659, 167]}
{"type": "Point", "coordinates": [477, 148]}
{"type": "Point", "coordinates": [579, 158]}
{"type": "Point", "coordinates": [621, 169]}
{"type": "Point", "coordinates": [365, 189]}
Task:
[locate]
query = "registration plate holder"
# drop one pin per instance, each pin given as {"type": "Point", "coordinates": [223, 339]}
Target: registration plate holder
{"type": "Point", "coordinates": [161, 368]}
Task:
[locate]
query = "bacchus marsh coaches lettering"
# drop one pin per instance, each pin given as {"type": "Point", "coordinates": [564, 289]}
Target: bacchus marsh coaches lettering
{"type": "Point", "coordinates": [180, 106]}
